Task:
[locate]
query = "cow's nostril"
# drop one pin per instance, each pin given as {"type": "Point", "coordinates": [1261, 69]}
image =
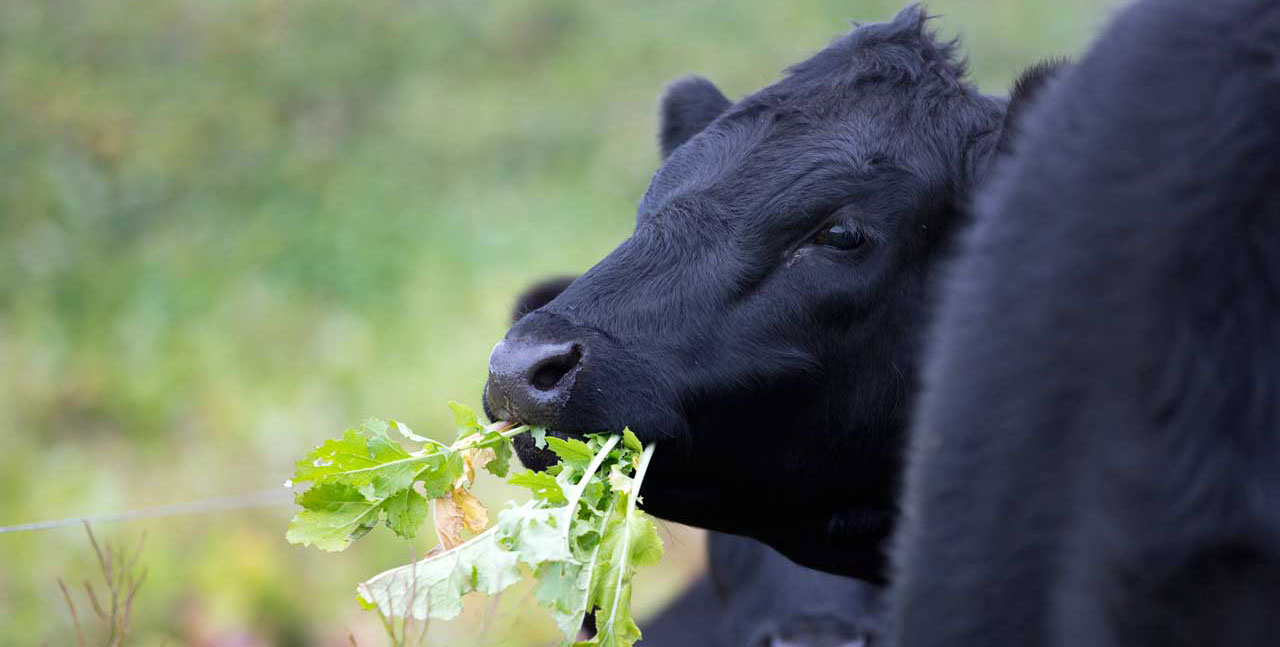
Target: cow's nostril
{"type": "Point", "coordinates": [550, 371]}
{"type": "Point", "coordinates": [530, 381]}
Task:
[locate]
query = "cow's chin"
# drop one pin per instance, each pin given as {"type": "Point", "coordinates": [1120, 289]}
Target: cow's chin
{"type": "Point", "coordinates": [576, 422]}
{"type": "Point", "coordinates": [539, 459]}
{"type": "Point", "coordinates": [532, 457]}
{"type": "Point", "coordinates": [670, 491]}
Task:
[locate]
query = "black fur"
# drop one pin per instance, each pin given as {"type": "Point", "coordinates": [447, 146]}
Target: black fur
{"type": "Point", "coordinates": [775, 370]}
{"type": "Point", "coordinates": [755, 596]}
{"type": "Point", "coordinates": [1097, 455]}
{"type": "Point", "coordinates": [689, 106]}
{"type": "Point", "coordinates": [1030, 84]}
{"type": "Point", "coordinates": [538, 295]}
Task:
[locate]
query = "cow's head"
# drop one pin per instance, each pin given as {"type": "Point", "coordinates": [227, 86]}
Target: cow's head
{"type": "Point", "coordinates": [761, 322]}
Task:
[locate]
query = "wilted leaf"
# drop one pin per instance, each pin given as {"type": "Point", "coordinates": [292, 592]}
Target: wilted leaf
{"type": "Point", "coordinates": [618, 481]}
{"type": "Point", "coordinates": [434, 587]}
{"type": "Point", "coordinates": [477, 456]}
{"type": "Point", "coordinates": [458, 514]}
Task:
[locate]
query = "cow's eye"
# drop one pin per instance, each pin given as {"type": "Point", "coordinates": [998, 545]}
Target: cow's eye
{"type": "Point", "coordinates": [840, 236]}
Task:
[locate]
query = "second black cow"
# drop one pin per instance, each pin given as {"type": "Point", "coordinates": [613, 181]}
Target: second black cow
{"type": "Point", "coordinates": [753, 596]}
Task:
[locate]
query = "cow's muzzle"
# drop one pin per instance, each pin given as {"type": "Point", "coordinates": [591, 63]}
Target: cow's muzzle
{"type": "Point", "coordinates": [529, 382]}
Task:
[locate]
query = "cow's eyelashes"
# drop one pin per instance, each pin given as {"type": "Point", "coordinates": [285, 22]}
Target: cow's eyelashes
{"type": "Point", "coordinates": [840, 236]}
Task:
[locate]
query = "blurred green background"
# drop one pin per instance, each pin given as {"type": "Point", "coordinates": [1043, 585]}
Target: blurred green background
{"type": "Point", "coordinates": [230, 229]}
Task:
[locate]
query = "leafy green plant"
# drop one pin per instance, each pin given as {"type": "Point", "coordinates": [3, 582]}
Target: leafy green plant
{"type": "Point", "coordinates": [582, 534]}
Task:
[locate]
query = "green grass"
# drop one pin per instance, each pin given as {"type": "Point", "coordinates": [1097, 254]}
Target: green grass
{"type": "Point", "coordinates": [230, 229]}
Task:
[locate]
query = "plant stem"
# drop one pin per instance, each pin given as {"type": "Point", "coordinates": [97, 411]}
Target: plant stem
{"type": "Point", "coordinates": [399, 461]}
{"type": "Point", "coordinates": [515, 431]}
{"type": "Point", "coordinates": [626, 538]}
{"type": "Point", "coordinates": [591, 469]}
{"type": "Point", "coordinates": [639, 478]}
{"type": "Point", "coordinates": [75, 619]}
{"type": "Point", "coordinates": [508, 433]}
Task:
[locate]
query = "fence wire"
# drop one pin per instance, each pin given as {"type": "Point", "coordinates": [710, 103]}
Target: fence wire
{"type": "Point", "coordinates": [262, 499]}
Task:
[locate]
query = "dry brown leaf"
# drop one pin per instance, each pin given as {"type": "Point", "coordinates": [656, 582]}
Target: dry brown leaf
{"type": "Point", "coordinates": [472, 460]}
{"type": "Point", "coordinates": [457, 515]}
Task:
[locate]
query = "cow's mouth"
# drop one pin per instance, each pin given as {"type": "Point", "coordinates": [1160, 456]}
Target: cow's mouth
{"type": "Point", "coordinates": [534, 458]}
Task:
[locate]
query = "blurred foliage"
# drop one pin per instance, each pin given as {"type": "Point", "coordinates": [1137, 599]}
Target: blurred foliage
{"type": "Point", "coordinates": [230, 229]}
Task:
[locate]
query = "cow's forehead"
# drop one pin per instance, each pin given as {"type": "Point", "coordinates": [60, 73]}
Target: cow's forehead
{"type": "Point", "coordinates": [754, 156]}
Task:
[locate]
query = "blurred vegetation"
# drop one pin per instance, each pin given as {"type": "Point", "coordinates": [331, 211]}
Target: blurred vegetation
{"type": "Point", "coordinates": [229, 229]}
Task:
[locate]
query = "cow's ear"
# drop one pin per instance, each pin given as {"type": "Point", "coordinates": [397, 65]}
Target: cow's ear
{"type": "Point", "coordinates": [688, 106]}
{"type": "Point", "coordinates": [1029, 86]}
{"type": "Point", "coordinates": [539, 294]}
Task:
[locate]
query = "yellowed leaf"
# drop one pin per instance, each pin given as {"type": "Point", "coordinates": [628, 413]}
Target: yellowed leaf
{"type": "Point", "coordinates": [472, 460]}
{"type": "Point", "coordinates": [458, 514]}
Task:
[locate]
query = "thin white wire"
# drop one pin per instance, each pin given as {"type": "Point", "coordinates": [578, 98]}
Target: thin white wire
{"type": "Point", "coordinates": [265, 498]}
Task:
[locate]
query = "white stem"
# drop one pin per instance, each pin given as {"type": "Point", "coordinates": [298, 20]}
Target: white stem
{"type": "Point", "coordinates": [639, 478]}
{"type": "Point", "coordinates": [417, 458]}
{"type": "Point", "coordinates": [510, 433]}
{"type": "Point", "coordinates": [591, 469]}
{"type": "Point", "coordinates": [515, 431]}
{"type": "Point", "coordinates": [626, 537]}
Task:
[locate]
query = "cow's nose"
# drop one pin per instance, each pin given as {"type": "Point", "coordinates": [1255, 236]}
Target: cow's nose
{"type": "Point", "coordinates": [530, 381]}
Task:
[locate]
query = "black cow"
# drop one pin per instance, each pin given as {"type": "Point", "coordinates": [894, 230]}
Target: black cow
{"type": "Point", "coordinates": [1097, 455]}
{"type": "Point", "coordinates": [752, 596]}
{"type": "Point", "coordinates": [763, 319]}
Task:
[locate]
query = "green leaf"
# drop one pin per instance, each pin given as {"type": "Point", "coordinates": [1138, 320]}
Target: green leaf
{"type": "Point", "coordinates": [574, 601]}
{"type": "Point", "coordinates": [571, 450]}
{"type": "Point", "coordinates": [405, 512]}
{"type": "Point", "coordinates": [561, 588]}
{"type": "Point", "coordinates": [538, 534]}
{"type": "Point", "coordinates": [630, 441]}
{"type": "Point", "coordinates": [350, 452]}
{"type": "Point", "coordinates": [439, 471]}
{"type": "Point", "coordinates": [628, 543]}
{"type": "Point", "coordinates": [543, 485]}
{"type": "Point", "coordinates": [465, 420]}
{"type": "Point", "coordinates": [366, 477]}
{"type": "Point", "coordinates": [630, 540]}
{"type": "Point", "coordinates": [539, 437]}
{"type": "Point", "coordinates": [408, 433]}
{"type": "Point", "coordinates": [500, 465]}
{"type": "Point", "coordinates": [333, 515]}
